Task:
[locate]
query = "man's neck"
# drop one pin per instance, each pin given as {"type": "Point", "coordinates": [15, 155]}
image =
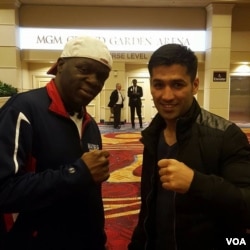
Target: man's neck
{"type": "Point", "coordinates": [170, 134]}
{"type": "Point", "coordinates": [79, 113]}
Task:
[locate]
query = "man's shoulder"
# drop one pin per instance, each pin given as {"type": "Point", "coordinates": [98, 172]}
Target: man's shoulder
{"type": "Point", "coordinates": [32, 94]}
{"type": "Point", "coordinates": [212, 120]}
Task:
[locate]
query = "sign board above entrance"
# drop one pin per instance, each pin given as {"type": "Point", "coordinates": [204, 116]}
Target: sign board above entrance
{"type": "Point", "coordinates": [116, 40]}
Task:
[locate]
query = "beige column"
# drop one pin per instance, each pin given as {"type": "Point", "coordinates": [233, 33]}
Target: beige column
{"type": "Point", "coordinates": [10, 66]}
{"type": "Point", "coordinates": [217, 59]}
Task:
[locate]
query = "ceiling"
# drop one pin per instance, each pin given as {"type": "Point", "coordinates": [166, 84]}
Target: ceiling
{"type": "Point", "coordinates": [132, 3]}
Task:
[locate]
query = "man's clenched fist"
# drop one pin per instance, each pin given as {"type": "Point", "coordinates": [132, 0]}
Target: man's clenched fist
{"type": "Point", "coordinates": [98, 163]}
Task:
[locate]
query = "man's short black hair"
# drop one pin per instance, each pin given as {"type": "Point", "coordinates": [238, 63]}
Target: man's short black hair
{"type": "Point", "coordinates": [170, 54]}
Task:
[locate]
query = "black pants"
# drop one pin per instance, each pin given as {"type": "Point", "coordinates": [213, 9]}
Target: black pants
{"type": "Point", "coordinates": [138, 112]}
{"type": "Point", "coordinates": [117, 115]}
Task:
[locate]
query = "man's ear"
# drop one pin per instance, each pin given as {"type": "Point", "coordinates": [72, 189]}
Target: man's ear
{"type": "Point", "coordinates": [196, 85]}
{"type": "Point", "coordinates": [60, 63]}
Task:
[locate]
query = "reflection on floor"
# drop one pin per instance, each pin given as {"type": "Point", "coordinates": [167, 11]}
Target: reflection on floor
{"type": "Point", "coordinates": [127, 127]}
{"type": "Point", "coordinates": [240, 116]}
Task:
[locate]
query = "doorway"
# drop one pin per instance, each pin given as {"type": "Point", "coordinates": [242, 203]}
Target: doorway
{"type": "Point", "coordinates": [239, 110]}
{"type": "Point", "coordinates": [148, 108]}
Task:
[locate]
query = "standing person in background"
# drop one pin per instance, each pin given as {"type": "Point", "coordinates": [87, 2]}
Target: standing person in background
{"type": "Point", "coordinates": [52, 162]}
{"type": "Point", "coordinates": [135, 93]}
{"type": "Point", "coordinates": [116, 104]}
{"type": "Point", "coordinates": [195, 182]}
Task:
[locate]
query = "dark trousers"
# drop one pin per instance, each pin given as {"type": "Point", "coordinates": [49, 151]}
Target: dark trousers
{"type": "Point", "coordinates": [117, 115]}
{"type": "Point", "coordinates": [138, 112]}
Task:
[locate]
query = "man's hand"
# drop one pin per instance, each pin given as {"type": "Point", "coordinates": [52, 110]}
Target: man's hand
{"type": "Point", "coordinates": [175, 175]}
{"type": "Point", "coordinates": [98, 163]}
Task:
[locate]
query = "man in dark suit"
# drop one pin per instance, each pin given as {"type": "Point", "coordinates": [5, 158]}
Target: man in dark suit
{"type": "Point", "coordinates": [116, 104]}
{"type": "Point", "coordinates": [135, 93]}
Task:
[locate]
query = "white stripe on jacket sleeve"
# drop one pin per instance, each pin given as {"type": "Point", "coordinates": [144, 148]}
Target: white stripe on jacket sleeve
{"type": "Point", "coordinates": [21, 117]}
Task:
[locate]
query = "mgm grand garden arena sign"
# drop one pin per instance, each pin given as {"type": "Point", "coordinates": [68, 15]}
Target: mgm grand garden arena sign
{"type": "Point", "coordinates": [116, 40]}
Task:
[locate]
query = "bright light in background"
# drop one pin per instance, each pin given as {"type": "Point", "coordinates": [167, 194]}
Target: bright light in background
{"type": "Point", "coordinates": [116, 40]}
{"type": "Point", "coordinates": [245, 68]}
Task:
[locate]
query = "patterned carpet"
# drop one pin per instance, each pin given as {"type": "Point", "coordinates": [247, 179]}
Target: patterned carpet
{"type": "Point", "coordinates": [247, 132]}
{"type": "Point", "coordinates": [121, 192]}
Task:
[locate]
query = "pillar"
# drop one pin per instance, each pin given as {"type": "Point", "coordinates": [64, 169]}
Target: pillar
{"type": "Point", "coordinates": [217, 59]}
{"type": "Point", "coordinates": [10, 63]}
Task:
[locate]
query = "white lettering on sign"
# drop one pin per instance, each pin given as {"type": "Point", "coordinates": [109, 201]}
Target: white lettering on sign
{"type": "Point", "coordinates": [116, 40]}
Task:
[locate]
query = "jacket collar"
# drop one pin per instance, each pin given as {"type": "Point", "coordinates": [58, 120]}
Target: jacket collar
{"type": "Point", "coordinates": [151, 134]}
{"type": "Point", "coordinates": [184, 123]}
{"type": "Point", "coordinates": [57, 105]}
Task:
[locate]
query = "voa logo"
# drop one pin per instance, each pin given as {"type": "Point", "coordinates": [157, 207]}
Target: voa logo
{"type": "Point", "coordinates": [236, 241]}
